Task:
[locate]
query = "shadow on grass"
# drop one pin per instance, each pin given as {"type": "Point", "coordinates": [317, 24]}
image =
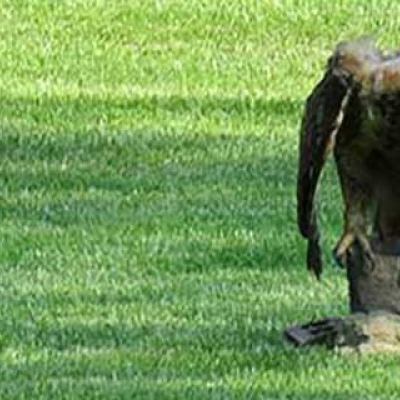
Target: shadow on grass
{"type": "Point", "coordinates": [172, 201]}
{"type": "Point", "coordinates": [74, 143]}
{"type": "Point", "coordinates": [76, 170]}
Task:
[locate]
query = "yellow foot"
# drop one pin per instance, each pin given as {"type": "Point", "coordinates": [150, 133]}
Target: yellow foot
{"type": "Point", "coordinates": [345, 247]}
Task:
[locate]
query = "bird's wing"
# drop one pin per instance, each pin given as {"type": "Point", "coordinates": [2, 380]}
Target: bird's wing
{"type": "Point", "coordinates": [323, 115]}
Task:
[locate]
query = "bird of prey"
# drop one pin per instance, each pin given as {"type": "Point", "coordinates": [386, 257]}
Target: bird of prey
{"type": "Point", "coordinates": [354, 111]}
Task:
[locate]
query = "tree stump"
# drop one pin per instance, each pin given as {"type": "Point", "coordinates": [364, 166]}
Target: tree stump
{"type": "Point", "coordinates": [379, 289]}
{"type": "Point", "coordinates": [374, 323]}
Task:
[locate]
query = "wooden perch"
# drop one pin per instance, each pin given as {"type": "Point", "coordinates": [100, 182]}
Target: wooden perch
{"type": "Point", "coordinates": [374, 323]}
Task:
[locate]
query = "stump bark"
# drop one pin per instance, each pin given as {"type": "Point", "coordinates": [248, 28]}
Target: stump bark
{"type": "Point", "coordinates": [379, 289]}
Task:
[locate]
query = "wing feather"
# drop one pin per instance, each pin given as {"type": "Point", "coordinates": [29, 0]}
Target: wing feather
{"type": "Point", "coordinates": [323, 115]}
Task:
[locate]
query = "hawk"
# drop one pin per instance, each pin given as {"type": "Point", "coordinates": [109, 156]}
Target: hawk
{"type": "Point", "coordinates": [355, 111]}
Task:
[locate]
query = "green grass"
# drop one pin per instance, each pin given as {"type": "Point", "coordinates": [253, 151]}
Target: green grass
{"type": "Point", "coordinates": [148, 154]}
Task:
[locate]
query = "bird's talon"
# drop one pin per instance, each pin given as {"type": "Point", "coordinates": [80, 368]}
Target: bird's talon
{"type": "Point", "coordinates": [367, 253]}
{"type": "Point", "coordinates": [345, 249]}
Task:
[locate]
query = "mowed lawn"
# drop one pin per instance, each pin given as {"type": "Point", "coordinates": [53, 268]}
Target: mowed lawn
{"type": "Point", "coordinates": [148, 241]}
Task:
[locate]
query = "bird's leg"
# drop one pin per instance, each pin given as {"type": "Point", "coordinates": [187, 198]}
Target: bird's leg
{"type": "Point", "coordinates": [357, 218]}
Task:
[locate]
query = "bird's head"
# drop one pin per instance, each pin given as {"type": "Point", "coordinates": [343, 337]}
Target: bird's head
{"type": "Point", "coordinates": [387, 76]}
{"type": "Point", "coordinates": [356, 62]}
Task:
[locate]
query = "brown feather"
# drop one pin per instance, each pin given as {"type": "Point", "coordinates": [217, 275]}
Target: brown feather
{"type": "Point", "coordinates": [322, 118]}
